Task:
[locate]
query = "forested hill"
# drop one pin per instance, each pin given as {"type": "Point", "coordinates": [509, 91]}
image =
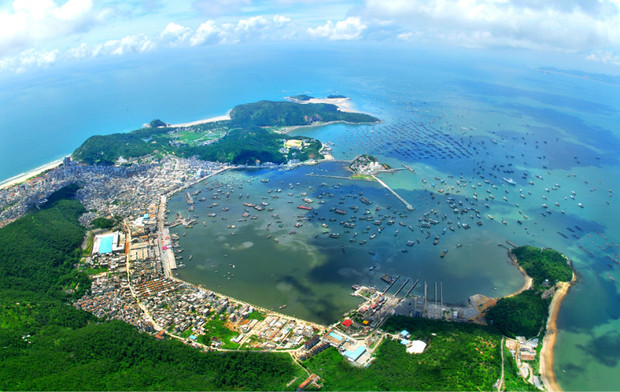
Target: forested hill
{"type": "Point", "coordinates": [46, 344]}
{"type": "Point", "coordinates": [276, 113]}
{"type": "Point", "coordinates": [246, 138]}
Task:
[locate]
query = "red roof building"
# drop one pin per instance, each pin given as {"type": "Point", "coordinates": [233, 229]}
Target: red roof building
{"type": "Point", "coordinates": [347, 323]}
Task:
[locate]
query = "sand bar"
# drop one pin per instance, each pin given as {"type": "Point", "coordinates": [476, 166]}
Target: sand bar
{"type": "Point", "coordinates": [29, 174]}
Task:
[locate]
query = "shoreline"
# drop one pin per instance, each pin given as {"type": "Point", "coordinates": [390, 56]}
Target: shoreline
{"type": "Point", "coordinates": [547, 372]}
{"type": "Point", "coordinates": [168, 273]}
{"type": "Point", "coordinates": [22, 177]}
{"type": "Point", "coordinates": [528, 279]}
{"type": "Point", "coordinates": [224, 117]}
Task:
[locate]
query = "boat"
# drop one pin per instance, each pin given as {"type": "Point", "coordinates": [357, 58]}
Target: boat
{"type": "Point", "coordinates": [509, 180]}
{"type": "Point", "coordinates": [334, 235]}
{"type": "Point", "coordinates": [341, 212]}
{"type": "Point", "coordinates": [372, 268]}
{"type": "Point", "coordinates": [443, 254]}
{"type": "Point", "coordinates": [282, 306]}
{"type": "Point", "coordinates": [304, 207]}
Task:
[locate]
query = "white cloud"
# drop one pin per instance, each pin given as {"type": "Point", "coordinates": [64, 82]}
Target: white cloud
{"type": "Point", "coordinates": [348, 29]}
{"type": "Point", "coordinates": [175, 35]}
{"type": "Point", "coordinates": [206, 33]}
{"type": "Point", "coordinates": [28, 23]}
{"type": "Point", "coordinates": [254, 28]}
{"type": "Point", "coordinates": [605, 57]}
{"type": "Point", "coordinates": [130, 44]}
{"type": "Point", "coordinates": [565, 25]}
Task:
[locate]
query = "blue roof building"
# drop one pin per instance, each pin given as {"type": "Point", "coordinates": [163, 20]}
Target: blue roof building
{"type": "Point", "coordinates": [355, 354]}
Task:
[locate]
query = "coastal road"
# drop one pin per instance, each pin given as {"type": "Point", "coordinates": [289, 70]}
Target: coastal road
{"type": "Point", "coordinates": [500, 384]}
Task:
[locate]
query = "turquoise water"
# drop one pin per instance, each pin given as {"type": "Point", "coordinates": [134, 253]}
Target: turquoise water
{"type": "Point", "coordinates": [105, 244]}
{"type": "Point", "coordinates": [457, 119]}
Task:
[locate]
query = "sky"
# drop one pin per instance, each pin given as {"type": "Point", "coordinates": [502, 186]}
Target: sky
{"type": "Point", "coordinates": [40, 33]}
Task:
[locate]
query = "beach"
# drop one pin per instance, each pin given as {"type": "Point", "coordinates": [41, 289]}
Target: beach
{"type": "Point", "coordinates": [18, 179]}
{"type": "Point", "coordinates": [343, 104]}
{"type": "Point", "coordinates": [207, 120]}
{"type": "Point", "coordinates": [528, 279]}
{"type": "Point", "coordinates": [546, 354]}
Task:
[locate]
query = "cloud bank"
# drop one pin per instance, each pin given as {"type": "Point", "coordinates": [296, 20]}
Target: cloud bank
{"type": "Point", "coordinates": [41, 32]}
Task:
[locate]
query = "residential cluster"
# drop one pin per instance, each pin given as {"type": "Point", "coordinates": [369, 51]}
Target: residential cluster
{"type": "Point", "coordinates": [524, 352]}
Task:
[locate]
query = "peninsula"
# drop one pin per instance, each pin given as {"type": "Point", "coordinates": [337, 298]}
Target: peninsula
{"type": "Point", "coordinates": [247, 135]}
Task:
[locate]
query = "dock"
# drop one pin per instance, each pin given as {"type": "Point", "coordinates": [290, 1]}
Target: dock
{"type": "Point", "coordinates": [410, 169]}
{"type": "Point", "coordinates": [411, 289]}
{"type": "Point", "coordinates": [401, 287]}
{"type": "Point", "coordinates": [392, 191]}
{"type": "Point", "coordinates": [391, 284]}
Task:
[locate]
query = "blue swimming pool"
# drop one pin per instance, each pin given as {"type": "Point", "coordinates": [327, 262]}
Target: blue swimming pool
{"type": "Point", "coordinates": [105, 244]}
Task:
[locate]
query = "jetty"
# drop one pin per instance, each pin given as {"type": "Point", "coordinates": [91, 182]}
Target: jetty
{"type": "Point", "coordinates": [411, 289]}
{"type": "Point", "coordinates": [390, 285]}
{"type": "Point", "coordinates": [392, 191]}
{"type": "Point", "coordinates": [401, 287]}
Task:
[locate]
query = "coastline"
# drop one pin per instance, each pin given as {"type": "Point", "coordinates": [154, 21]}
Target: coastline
{"type": "Point", "coordinates": [170, 275]}
{"type": "Point", "coordinates": [22, 177]}
{"type": "Point", "coordinates": [204, 121]}
{"type": "Point", "coordinates": [546, 354]}
{"type": "Point", "coordinates": [528, 279]}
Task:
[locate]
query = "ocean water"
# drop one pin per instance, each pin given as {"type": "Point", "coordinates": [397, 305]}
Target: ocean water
{"type": "Point", "coordinates": [457, 118]}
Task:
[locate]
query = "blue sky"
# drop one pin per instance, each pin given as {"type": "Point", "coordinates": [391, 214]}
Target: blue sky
{"type": "Point", "coordinates": [38, 33]}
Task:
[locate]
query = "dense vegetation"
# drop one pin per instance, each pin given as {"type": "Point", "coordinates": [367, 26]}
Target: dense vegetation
{"type": "Point", "coordinates": [105, 150]}
{"type": "Point", "coordinates": [522, 315]}
{"type": "Point", "coordinates": [48, 345]}
{"type": "Point", "coordinates": [243, 146]}
{"type": "Point", "coordinates": [104, 223]}
{"type": "Point", "coordinates": [271, 113]}
{"type": "Point", "coordinates": [543, 264]}
{"type": "Point", "coordinates": [38, 252]}
{"type": "Point", "coordinates": [245, 142]}
{"type": "Point", "coordinates": [458, 357]}
{"type": "Point", "coordinates": [157, 123]}
{"type": "Point", "coordinates": [526, 314]}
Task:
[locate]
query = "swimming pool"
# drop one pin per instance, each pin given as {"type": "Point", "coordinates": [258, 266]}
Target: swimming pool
{"type": "Point", "coordinates": [105, 244]}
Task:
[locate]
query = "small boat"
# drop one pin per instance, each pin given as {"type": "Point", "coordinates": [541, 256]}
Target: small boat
{"type": "Point", "coordinates": [443, 254]}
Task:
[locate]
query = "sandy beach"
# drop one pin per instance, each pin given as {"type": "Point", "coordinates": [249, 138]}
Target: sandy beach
{"type": "Point", "coordinates": [207, 120]}
{"type": "Point", "coordinates": [528, 280]}
{"type": "Point", "coordinates": [29, 174]}
{"type": "Point", "coordinates": [343, 104]}
{"type": "Point", "coordinates": [546, 354]}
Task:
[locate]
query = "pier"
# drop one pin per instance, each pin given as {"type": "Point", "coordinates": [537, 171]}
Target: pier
{"type": "Point", "coordinates": [390, 285]}
{"type": "Point", "coordinates": [411, 289]}
{"type": "Point", "coordinates": [392, 191]}
{"type": "Point", "coordinates": [401, 287]}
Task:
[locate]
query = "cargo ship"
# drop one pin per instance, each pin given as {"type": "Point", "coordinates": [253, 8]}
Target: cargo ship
{"type": "Point", "coordinates": [304, 207]}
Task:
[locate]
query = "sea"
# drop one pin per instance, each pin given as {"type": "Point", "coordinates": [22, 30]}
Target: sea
{"type": "Point", "coordinates": [488, 147]}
